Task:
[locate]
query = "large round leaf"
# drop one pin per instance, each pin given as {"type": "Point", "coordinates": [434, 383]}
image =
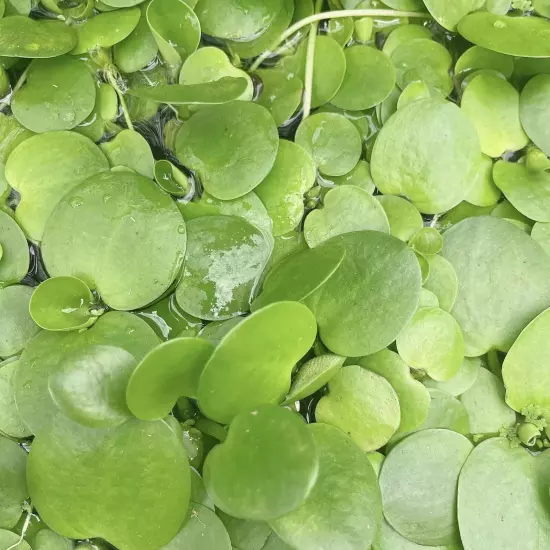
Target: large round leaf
{"type": "Point", "coordinates": [253, 362]}
{"type": "Point", "coordinates": [43, 172]}
{"type": "Point", "coordinates": [13, 485]}
{"type": "Point", "coordinates": [411, 159]}
{"type": "Point", "coordinates": [266, 467]}
{"type": "Point", "coordinates": [43, 357]}
{"type": "Point", "coordinates": [129, 485]}
{"type": "Point", "coordinates": [492, 311]}
{"type": "Point", "coordinates": [107, 229]}
{"type": "Point", "coordinates": [58, 95]}
{"type": "Point", "coordinates": [526, 369]}
{"type": "Point", "coordinates": [419, 481]}
{"type": "Point", "coordinates": [519, 36]}
{"type": "Point", "coordinates": [15, 258]}
{"type": "Point", "coordinates": [241, 158]}
{"type": "Point", "coordinates": [363, 405]}
{"type": "Point", "coordinates": [503, 498]}
{"type": "Point", "coordinates": [344, 508]}
{"type": "Point", "coordinates": [371, 297]}
{"type": "Point", "coordinates": [16, 325]}
{"type": "Point", "coordinates": [223, 263]}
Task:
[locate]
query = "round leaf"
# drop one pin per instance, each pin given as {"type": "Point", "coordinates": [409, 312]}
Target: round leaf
{"type": "Point", "coordinates": [266, 467]}
{"type": "Point", "coordinates": [534, 107]}
{"type": "Point", "coordinates": [463, 380]}
{"type": "Point", "coordinates": [335, 517]}
{"type": "Point", "coordinates": [411, 159]}
{"type": "Point", "coordinates": [419, 481]}
{"type": "Point", "coordinates": [427, 241]}
{"type": "Point", "coordinates": [492, 311]}
{"type": "Point", "coordinates": [281, 93]}
{"type": "Point", "coordinates": [449, 15]}
{"type": "Point", "coordinates": [361, 404]}
{"type": "Point", "coordinates": [241, 158]}
{"type": "Point", "coordinates": [13, 485]}
{"type": "Point", "coordinates": [11, 422]}
{"type": "Point", "coordinates": [276, 337]}
{"type": "Point", "coordinates": [477, 58]}
{"type": "Point", "coordinates": [133, 222]}
{"type": "Point", "coordinates": [170, 371]}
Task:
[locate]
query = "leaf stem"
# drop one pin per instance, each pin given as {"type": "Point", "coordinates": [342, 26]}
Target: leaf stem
{"type": "Point", "coordinates": [310, 61]}
{"type": "Point", "coordinates": [114, 83]}
{"type": "Point", "coordinates": [337, 14]}
{"type": "Point", "coordinates": [6, 102]}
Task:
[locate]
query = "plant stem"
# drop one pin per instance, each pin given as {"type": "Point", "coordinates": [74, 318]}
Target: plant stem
{"type": "Point", "coordinates": [331, 15]}
{"type": "Point", "coordinates": [18, 85]}
{"type": "Point", "coordinates": [113, 82]}
{"type": "Point", "coordinates": [310, 61]}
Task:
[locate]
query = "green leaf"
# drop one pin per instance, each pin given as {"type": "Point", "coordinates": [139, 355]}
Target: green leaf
{"type": "Point", "coordinates": [427, 241]}
{"type": "Point", "coordinates": [11, 422]}
{"type": "Point", "coordinates": [241, 159]}
{"type": "Point", "coordinates": [369, 79]}
{"type": "Point", "coordinates": [13, 485]}
{"type": "Point", "coordinates": [526, 369]}
{"type": "Point", "coordinates": [404, 219]}
{"type": "Point", "coordinates": [379, 275]}
{"type": "Point", "coordinates": [492, 311]}
{"type": "Point", "coordinates": [484, 192]}
{"type": "Point", "coordinates": [442, 281]}
{"type": "Point", "coordinates": [282, 191]}
{"type": "Point", "coordinates": [541, 234]}
{"type": "Point", "coordinates": [476, 58]}
{"type": "Point", "coordinates": [449, 15]}
{"type": "Point", "coordinates": [62, 303]}
{"type": "Point", "coordinates": [359, 176]}
{"type": "Point", "coordinates": [49, 38]}
{"type": "Point", "coordinates": [484, 401]}
{"type": "Point", "coordinates": [462, 381]}
{"type": "Point", "coordinates": [105, 30]}
{"type": "Point", "coordinates": [313, 375]}
{"type": "Point", "coordinates": [236, 19]}
{"type": "Point", "coordinates": [534, 108]}
{"type": "Point", "coordinates": [245, 534]}
{"type": "Point", "coordinates": [276, 337]}
{"type": "Point", "coordinates": [389, 539]}
{"type": "Point", "coordinates": [403, 34]}
{"type": "Point", "coordinates": [79, 482]}
{"type": "Point", "coordinates": [130, 149]}
{"type": "Point", "coordinates": [363, 405]}
{"type": "Point", "coordinates": [225, 258]}
{"type": "Point", "coordinates": [346, 209]}
{"type": "Point", "coordinates": [34, 170]}
{"type": "Point", "coordinates": [15, 258]}
{"type": "Point", "coordinates": [133, 222]}
{"type": "Point", "coordinates": [333, 142]}
{"type": "Point", "coordinates": [519, 36]}
{"type": "Point", "coordinates": [218, 91]}
{"type": "Point", "coordinates": [58, 95]}
{"type": "Point", "coordinates": [170, 371]}
{"type": "Point", "coordinates": [16, 325]}
{"type": "Point", "coordinates": [281, 93]}
{"type": "Point", "coordinates": [44, 355]}
{"type": "Point", "coordinates": [423, 465]}
{"type": "Point", "coordinates": [433, 342]}
{"type": "Point", "coordinates": [410, 159]}
{"type": "Point", "coordinates": [202, 530]}
{"type": "Point", "coordinates": [176, 29]}
{"type": "Point", "coordinates": [492, 105]}
{"type": "Point", "coordinates": [414, 398]}
{"type": "Point", "coordinates": [266, 467]}
{"type": "Point", "coordinates": [335, 517]}
{"type": "Point", "coordinates": [491, 511]}
{"type": "Point", "coordinates": [89, 385]}
{"type": "Point", "coordinates": [299, 275]}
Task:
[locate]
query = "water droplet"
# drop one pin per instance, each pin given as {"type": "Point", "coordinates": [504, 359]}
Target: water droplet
{"type": "Point", "coordinates": [76, 202]}
{"type": "Point", "coordinates": [181, 229]}
{"type": "Point", "coordinates": [499, 24]}
{"type": "Point", "coordinates": [107, 198]}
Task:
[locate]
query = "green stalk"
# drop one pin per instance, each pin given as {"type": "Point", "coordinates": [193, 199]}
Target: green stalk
{"type": "Point", "coordinates": [18, 85]}
{"type": "Point", "coordinates": [310, 60]}
{"type": "Point", "coordinates": [114, 83]}
{"type": "Point", "coordinates": [331, 15]}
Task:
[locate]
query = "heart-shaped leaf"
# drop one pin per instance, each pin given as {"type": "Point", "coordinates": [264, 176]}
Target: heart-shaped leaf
{"type": "Point", "coordinates": [281, 334]}
{"type": "Point", "coordinates": [333, 517]}
{"type": "Point", "coordinates": [346, 209]}
{"type": "Point", "coordinates": [78, 481]}
{"type": "Point", "coordinates": [492, 311]}
{"type": "Point", "coordinates": [422, 466]}
{"type": "Point", "coordinates": [266, 467]}
{"type": "Point", "coordinates": [241, 159]}
{"type": "Point", "coordinates": [369, 300]}
{"type": "Point", "coordinates": [409, 158]}
{"type": "Point", "coordinates": [132, 219]}
{"type": "Point", "coordinates": [16, 325]}
{"type": "Point", "coordinates": [62, 303]}
{"type": "Point", "coordinates": [34, 170]}
{"type": "Point", "coordinates": [363, 405]}
{"type": "Point", "coordinates": [225, 257]}
{"type": "Point", "coordinates": [13, 484]}
{"type": "Point", "coordinates": [170, 371]}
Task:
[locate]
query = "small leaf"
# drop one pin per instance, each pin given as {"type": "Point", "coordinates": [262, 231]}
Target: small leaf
{"type": "Point", "coordinates": [427, 241]}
